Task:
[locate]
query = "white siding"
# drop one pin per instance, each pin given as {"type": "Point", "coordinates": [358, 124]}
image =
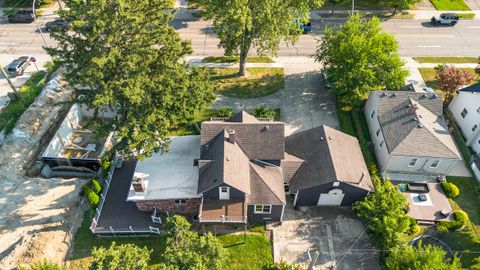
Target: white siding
{"type": "Point", "coordinates": [400, 164]}
{"type": "Point", "coordinates": [373, 126]}
{"type": "Point", "coordinates": [471, 102]}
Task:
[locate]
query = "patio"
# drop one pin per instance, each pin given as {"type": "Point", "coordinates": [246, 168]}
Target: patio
{"type": "Point", "coordinates": [427, 203]}
{"type": "Point", "coordinates": [222, 211]}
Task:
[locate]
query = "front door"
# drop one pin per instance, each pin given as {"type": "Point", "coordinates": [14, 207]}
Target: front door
{"type": "Point", "coordinates": [333, 197]}
{"type": "Point", "coordinates": [224, 193]}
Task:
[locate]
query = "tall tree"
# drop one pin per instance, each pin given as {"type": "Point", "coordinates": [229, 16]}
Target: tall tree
{"type": "Point", "coordinates": [383, 212]}
{"type": "Point", "coordinates": [422, 257]}
{"type": "Point", "coordinates": [263, 24]}
{"type": "Point", "coordinates": [187, 250]}
{"type": "Point", "coordinates": [123, 56]}
{"type": "Point", "coordinates": [122, 257]}
{"type": "Point", "coordinates": [358, 57]}
{"type": "Point", "coordinates": [451, 79]}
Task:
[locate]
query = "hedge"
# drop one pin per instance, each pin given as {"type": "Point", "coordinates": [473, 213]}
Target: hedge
{"type": "Point", "coordinates": [450, 189]}
{"type": "Point", "coordinates": [92, 197]}
{"type": "Point", "coordinates": [460, 218]}
{"type": "Point", "coordinates": [96, 187]}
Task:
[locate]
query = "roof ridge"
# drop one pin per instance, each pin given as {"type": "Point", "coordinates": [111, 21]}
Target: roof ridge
{"type": "Point", "coordinates": [329, 152]}
{"type": "Point", "coordinates": [252, 162]}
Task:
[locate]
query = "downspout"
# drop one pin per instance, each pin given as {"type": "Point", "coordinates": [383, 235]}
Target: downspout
{"type": "Point", "coordinates": [295, 200]}
{"type": "Point", "coordinates": [283, 210]}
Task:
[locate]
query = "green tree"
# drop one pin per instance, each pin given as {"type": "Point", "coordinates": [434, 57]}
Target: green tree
{"type": "Point", "coordinates": [123, 56]}
{"type": "Point", "coordinates": [187, 250]}
{"type": "Point", "coordinates": [383, 212]}
{"type": "Point", "coordinates": [283, 265]}
{"type": "Point", "coordinates": [43, 265]}
{"type": "Point", "coordinates": [424, 257]}
{"type": "Point", "coordinates": [122, 257]}
{"type": "Point", "coordinates": [358, 57]}
{"type": "Point", "coordinates": [451, 79]}
{"type": "Point", "coordinates": [243, 24]}
{"type": "Point", "coordinates": [400, 4]}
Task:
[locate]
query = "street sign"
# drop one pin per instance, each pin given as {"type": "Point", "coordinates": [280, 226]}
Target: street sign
{"type": "Point", "coordinates": [33, 59]}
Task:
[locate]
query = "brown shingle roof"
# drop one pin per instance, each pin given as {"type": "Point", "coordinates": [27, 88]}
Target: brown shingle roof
{"type": "Point", "coordinates": [290, 166]}
{"type": "Point", "coordinates": [266, 184]}
{"type": "Point", "coordinates": [224, 162]}
{"type": "Point", "coordinates": [329, 155]}
{"type": "Point", "coordinates": [259, 140]}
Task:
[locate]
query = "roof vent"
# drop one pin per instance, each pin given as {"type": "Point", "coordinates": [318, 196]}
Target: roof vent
{"type": "Point", "coordinates": [330, 138]}
{"type": "Point", "coordinates": [414, 119]}
{"type": "Point", "coordinates": [383, 94]}
{"type": "Point", "coordinates": [231, 136]}
{"type": "Point", "coordinates": [424, 95]}
{"type": "Point", "coordinates": [394, 94]}
{"type": "Point", "coordinates": [419, 125]}
{"type": "Point", "coordinates": [321, 138]}
{"type": "Point", "coordinates": [435, 95]}
{"type": "Point", "coordinates": [227, 158]}
{"type": "Point", "coordinates": [266, 128]}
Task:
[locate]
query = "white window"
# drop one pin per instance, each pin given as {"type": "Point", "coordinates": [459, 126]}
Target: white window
{"type": "Point", "coordinates": [474, 127]}
{"type": "Point", "coordinates": [435, 163]}
{"type": "Point", "coordinates": [372, 114]}
{"type": "Point", "coordinates": [263, 208]}
{"type": "Point", "coordinates": [378, 132]}
{"type": "Point", "coordinates": [413, 162]}
{"type": "Point", "coordinates": [180, 202]}
{"type": "Point", "coordinates": [464, 112]}
{"type": "Point", "coordinates": [381, 144]}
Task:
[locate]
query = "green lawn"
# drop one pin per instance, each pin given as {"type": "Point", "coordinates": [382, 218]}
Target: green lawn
{"type": "Point", "coordinates": [260, 82]}
{"type": "Point", "coordinates": [252, 255]}
{"type": "Point", "coordinates": [28, 92]}
{"type": "Point", "coordinates": [467, 239]}
{"type": "Point", "coordinates": [236, 59]}
{"type": "Point", "coordinates": [428, 75]}
{"type": "Point", "coordinates": [255, 253]}
{"type": "Point", "coordinates": [446, 60]}
{"type": "Point", "coordinates": [466, 15]}
{"type": "Point", "coordinates": [450, 5]}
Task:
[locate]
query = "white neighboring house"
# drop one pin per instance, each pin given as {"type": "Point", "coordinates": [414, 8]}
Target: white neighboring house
{"type": "Point", "coordinates": [465, 108]}
{"type": "Point", "coordinates": [410, 137]}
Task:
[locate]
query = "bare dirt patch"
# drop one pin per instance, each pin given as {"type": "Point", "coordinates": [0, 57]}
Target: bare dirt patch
{"type": "Point", "coordinates": [37, 216]}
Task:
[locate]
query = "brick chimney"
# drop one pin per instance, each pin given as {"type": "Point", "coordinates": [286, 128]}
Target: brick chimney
{"type": "Point", "coordinates": [138, 184]}
{"type": "Point", "coordinates": [231, 136]}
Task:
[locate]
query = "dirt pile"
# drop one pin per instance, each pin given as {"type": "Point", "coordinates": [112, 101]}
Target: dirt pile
{"type": "Point", "coordinates": [36, 214]}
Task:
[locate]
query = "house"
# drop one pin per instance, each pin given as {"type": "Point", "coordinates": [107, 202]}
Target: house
{"type": "Point", "coordinates": [465, 108]}
{"type": "Point", "coordinates": [75, 149]}
{"type": "Point", "coordinates": [409, 135]}
{"type": "Point", "coordinates": [241, 169]}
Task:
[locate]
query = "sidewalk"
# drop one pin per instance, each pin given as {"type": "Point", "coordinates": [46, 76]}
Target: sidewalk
{"type": "Point", "coordinates": [419, 14]}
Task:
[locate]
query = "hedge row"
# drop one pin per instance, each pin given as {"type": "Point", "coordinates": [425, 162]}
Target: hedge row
{"type": "Point", "coordinates": [460, 218]}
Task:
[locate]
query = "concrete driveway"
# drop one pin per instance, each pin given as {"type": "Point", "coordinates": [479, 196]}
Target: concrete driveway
{"type": "Point", "coordinates": [304, 102]}
{"type": "Point", "coordinates": [335, 232]}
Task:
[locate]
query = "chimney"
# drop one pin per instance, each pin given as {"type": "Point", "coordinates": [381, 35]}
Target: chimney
{"type": "Point", "coordinates": [231, 136]}
{"type": "Point", "coordinates": [138, 184]}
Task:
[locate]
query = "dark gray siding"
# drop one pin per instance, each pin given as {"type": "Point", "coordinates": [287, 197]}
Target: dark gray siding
{"type": "Point", "coordinates": [309, 196]}
{"type": "Point", "coordinates": [274, 215]}
{"type": "Point", "coordinates": [213, 193]}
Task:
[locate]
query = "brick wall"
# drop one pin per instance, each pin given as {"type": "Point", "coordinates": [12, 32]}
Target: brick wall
{"type": "Point", "coordinates": [191, 207]}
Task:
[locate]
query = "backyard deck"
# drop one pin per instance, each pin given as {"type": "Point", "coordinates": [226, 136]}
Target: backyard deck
{"type": "Point", "coordinates": [223, 211]}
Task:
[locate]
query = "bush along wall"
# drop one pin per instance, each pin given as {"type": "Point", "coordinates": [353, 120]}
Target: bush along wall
{"type": "Point", "coordinates": [460, 218]}
{"type": "Point", "coordinates": [450, 189]}
{"type": "Point", "coordinates": [92, 197]}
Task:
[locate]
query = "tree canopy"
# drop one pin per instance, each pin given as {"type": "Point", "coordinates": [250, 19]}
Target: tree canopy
{"type": "Point", "coordinates": [400, 4]}
{"type": "Point", "coordinates": [359, 57]}
{"type": "Point", "coordinates": [451, 78]}
{"type": "Point", "coordinates": [384, 214]}
{"type": "Point", "coordinates": [421, 257]}
{"type": "Point", "coordinates": [263, 24]}
{"type": "Point", "coordinates": [123, 56]}
{"type": "Point", "coordinates": [185, 249]}
{"type": "Point", "coordinates": [122, 257]}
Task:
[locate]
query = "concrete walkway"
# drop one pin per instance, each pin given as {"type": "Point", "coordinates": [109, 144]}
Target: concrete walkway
{"type": "Point", "coordinates": [304, 102]}
{"type": "Point", "coordinates": [425, 14]}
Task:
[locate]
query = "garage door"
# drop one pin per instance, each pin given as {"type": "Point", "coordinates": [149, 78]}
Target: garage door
{"type": "Point", "coordinates": [333, 197]}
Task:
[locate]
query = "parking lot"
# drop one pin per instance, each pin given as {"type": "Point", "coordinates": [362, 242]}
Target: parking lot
{"type": "Point", "coordinates": [334, 232]}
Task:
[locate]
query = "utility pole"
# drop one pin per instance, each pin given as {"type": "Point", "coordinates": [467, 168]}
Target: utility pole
{"type": "Point", "coordinates": [353, 6]}
{"type": "Point", "coordinates": [39, 29]}
{"type": "Point", "coordinates": [9, 82]}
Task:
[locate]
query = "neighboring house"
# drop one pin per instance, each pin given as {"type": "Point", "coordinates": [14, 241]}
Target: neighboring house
{"type": "Point", "coordinates": [409, 135]}
{"type": "Point", "coordinates": [241, 168]}
{"type": "Point", "coordinates": [465, 108]}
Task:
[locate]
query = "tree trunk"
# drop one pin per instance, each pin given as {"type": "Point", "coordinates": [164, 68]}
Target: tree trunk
{"type": "Point", "coordinates": [394, 11]}
{"type": "Point", "coordinates": [333, 9]}
{"type": "Point", "coordinates": [243, 61]}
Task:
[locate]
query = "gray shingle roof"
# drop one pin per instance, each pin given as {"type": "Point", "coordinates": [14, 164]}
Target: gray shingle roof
{"type": "Point", "coordinates": [412, 124]}
{"type": "Point", "coordinates": [474, 88]}
{"type": "Point", "coordinates": [329, 155]}
{"type": "Point", "coordinates": [259, 140]}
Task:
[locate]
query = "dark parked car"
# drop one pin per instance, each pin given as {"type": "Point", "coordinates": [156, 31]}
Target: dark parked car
{"type": "Point", "coordinates": [445, 19]}
{"type": "Point", "coordinates": [22, 16]}
{"type": "Point", "coordinates": [56, 25]}
{"type": "Point", "coordinates": [18, 66]}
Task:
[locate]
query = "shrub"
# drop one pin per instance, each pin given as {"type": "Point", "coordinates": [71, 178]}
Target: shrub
{"type": "Point", "coordinates": [96, 187]}
{"type": "Point", "coordinates": [224, 111]}
{"type": "Point", "coordinates": [126, 256]}
{"type": "Point", "coordinates": [43, 265]}
{"type": "Point", "coordinates": [106, 167]}
{"type": "Point", "coordinates": [92, 197]}
{"type": "Point", "coordinates": [265, 112]}
{"type": "Point", "coordinates": [460, 218]}
{"type": "Point", "coordinates": [414, 228]}
{"type": "Point", "coordinates": [450, 189]}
